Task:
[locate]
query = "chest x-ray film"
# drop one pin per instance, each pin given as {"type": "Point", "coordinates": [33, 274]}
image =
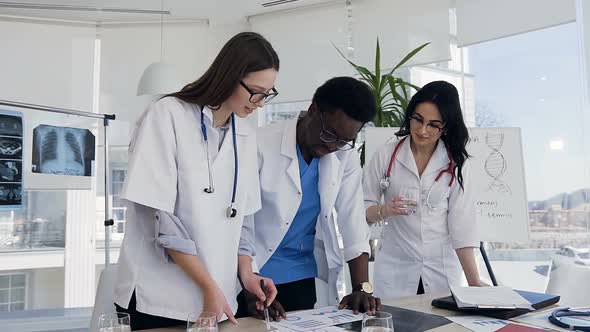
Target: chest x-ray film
{"type": "Point", "coordinates": [11, 159]}
{"type": "Point", "coordinates": [62, 151]}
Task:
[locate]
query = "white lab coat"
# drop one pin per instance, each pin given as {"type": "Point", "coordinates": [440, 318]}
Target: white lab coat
{"type": "Point", "coordinates": [339, 185]}
{"type": "Point", "coordinates": [422, 244]}
{"type": "Point", "coordinates": [168, 171]}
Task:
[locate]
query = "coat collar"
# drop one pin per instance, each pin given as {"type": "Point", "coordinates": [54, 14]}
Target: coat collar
{"type": "Point", "coordinates": [289, 150]}
{"type": "Point", "coordinates": [326, 165]}
{"type": "Point", "coordinates": [438, 160]}
{"type": "Point", "coordinates": [242, 127]}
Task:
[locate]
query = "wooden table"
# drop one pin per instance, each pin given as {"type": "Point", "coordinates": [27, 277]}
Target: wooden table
{"type": "Point", "coordinates": [417, 303]}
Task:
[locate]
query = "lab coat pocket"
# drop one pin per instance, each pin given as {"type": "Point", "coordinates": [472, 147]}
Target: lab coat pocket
{"type": "Point", "coordinates": [390, 270]}
{"type": "Point", "coordinates": [435, 207]}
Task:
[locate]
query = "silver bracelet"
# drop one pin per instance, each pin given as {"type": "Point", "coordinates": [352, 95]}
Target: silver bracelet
{"type": "Point", "coordinates": [381, 220]}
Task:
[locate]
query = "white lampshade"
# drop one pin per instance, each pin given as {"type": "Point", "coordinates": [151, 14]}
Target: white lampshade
{"type": "Point", "coordinates": [157, 79]}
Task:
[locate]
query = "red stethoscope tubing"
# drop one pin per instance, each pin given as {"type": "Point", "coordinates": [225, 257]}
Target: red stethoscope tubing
{"type": "Point", "coordinates": [440, 174]}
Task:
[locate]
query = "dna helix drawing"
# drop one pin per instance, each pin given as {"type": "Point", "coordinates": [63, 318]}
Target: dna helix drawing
{"type": "Point", "coordinates": [495, 164]}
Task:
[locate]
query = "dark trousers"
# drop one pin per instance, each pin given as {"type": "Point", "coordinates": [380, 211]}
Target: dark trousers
{"type": "Point", "coordinates": [141, 321]}
{"type": "Point", "coordinates": [296, 295]}
{"type": "Point", "coordinates": [420, 287]}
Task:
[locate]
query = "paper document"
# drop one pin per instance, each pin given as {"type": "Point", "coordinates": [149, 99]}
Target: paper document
{"type": "Point", "coordinates": [316, 319]}
{"type": "Point", "coordinates": [479, 323]}
{"type": "Point", "coordinates": [489, 298]}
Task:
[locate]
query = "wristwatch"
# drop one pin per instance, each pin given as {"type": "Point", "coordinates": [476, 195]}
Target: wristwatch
{"type": "Point", "coordinates": [365, 287]}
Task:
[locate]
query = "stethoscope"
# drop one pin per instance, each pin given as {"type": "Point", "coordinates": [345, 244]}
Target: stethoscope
{"type": "Point", "coordinates": [384, 183]}
{"type": "Point", "coordinates": [231, 211]}
{"type": "Point", "coordinates": [556, 315]}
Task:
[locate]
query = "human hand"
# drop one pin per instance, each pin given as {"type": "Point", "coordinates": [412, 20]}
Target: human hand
{"type": "Point", "coordinates": [276, 312]}
{"type": "Point", "coordinates": [214, 301]}
{"type": "Point", "coordinates": [251, 282]}
{"type": "Point", "coordinates": [479, 283]}
{"type": "Point", "coordinates": [398, 206]}
{"type": "Point", "coordinates": [360, 302]}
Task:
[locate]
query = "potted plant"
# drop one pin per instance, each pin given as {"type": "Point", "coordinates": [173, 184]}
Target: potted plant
{"type": "Point", "coordinates": [392, 94]}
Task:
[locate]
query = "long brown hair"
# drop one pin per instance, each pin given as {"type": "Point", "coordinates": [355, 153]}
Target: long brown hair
{"type": "Point", "coordinates": [244, 53]}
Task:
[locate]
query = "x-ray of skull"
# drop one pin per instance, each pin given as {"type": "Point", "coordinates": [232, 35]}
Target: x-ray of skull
{"type": "Point", "coordinates": [62, 151]}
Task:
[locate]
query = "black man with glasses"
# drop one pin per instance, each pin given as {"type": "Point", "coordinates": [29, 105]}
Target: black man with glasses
{"type": "Point", "coordinates": [310, 180]}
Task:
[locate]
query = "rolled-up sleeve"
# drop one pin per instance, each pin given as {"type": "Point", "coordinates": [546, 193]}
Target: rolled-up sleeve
{"type": "Point", "coordinates": [248, 235]}
{"type": "Point", "coordinates": [170, 233]}
{"type": "Point", "coordinates": [351, 212]}
{"type": "Point", "coordinates": [462, 222]}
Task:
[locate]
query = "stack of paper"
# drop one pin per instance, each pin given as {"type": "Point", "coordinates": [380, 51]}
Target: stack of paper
{"type": "Point", "coordinates": [489, 298]}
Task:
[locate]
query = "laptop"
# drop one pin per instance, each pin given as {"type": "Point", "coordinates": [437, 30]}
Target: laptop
{"type": "Point", "coordinates": [537, 300]}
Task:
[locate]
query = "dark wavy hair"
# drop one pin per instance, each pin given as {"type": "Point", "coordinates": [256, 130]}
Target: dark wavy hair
{"type": "Point", "coordinates": [455, 135]}
{"type": "Point", "coordinates": [244, 53]}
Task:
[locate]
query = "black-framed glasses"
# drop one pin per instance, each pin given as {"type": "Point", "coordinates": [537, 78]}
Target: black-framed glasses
{"type": "Point", "coordinates": [327, 136]}
{"type": "Point", "coordinates": [431, 127]}
{"type": "Point", "coordinates": [256, 97]}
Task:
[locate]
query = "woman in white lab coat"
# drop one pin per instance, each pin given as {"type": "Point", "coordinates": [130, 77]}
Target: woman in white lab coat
{"type": "Point", "coordinates": [419, 189]}
{"type": "Point", "coordinates": [192, 178]}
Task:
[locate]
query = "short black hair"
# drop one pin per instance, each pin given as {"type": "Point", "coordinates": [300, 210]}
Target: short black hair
{"type": "Point", "coordinates": [349, 95]}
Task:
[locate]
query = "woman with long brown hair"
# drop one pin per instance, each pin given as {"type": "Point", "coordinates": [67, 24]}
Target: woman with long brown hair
{"type": "Point", "coordinates": [192, 178]}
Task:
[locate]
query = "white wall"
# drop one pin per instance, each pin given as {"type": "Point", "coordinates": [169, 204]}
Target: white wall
{"type": "Point", "coordinates": [305, 50]}
{"type": "Point", "coordinates": [46, 288]}
{"type": "Point", "coordinates": [123, 62]}
{"type": "Point", "coordinates": [308, 58]}
{"type": "Point", "coordinates": [401, 27]}
{"type": "Point", "coordinates": [47, 64]}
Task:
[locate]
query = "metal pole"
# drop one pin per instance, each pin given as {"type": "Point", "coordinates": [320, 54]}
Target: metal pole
{"type": "Point", "coordinates": [488, 265]}
{"type": "Point", "coordinates": [57, 110]}
{"type": "Point", "coordinates": [107, 209]}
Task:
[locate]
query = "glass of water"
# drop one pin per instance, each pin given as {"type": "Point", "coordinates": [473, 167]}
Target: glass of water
{"type": "Point", "coordinates": [411, 196]}
{"type": "Point", "coordinates": [202, 322]}
{"type": "Point", "coordinates": [378, 322]}
{"type": "Point", "coordinates": [114, 322]}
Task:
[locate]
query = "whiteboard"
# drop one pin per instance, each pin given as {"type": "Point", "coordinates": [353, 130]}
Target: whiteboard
{"type": "Point", "coordinates": [498, 179]}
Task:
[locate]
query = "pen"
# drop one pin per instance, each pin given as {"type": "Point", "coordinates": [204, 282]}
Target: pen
{"type": "Point", "coordinates": [266, 315]}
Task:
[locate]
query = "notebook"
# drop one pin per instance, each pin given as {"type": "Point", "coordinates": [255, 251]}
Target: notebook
{"type": "Point", "coordinates": [489, 298]}
{"type": "Point", "coordinates": [537, 300]}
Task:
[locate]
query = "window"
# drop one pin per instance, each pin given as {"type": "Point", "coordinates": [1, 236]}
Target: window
{"type": "Point", "coordinates": [532, 81]}
{"type": "Point", "coordinates": [13, 291]}
{"type": "Point", "coordinates": [39, 225]}
{"type": "Point", "coordinates": [117, 210]}
{"type": "Point", "coordinates": [118, 158]}
{"type": "Point", "coordinates": [281, 111]}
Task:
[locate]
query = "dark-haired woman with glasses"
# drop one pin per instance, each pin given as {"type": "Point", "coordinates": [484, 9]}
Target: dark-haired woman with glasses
{"type": "Point", "coordinates": [192, 178]}
{"type": "Point", "coordinates": [419, 189]}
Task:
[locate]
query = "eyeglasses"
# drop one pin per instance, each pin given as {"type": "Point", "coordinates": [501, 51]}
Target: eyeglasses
{"type": "Point", "coordinates": [431, 128]}
{"type": "Point", "coordinates": [256, 97]}
{"type": "Point", "coordinates": [327, 136]}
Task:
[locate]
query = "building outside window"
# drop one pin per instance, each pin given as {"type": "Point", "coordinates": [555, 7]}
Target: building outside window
{"type": "Point", "coordinates": [13, 292]}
